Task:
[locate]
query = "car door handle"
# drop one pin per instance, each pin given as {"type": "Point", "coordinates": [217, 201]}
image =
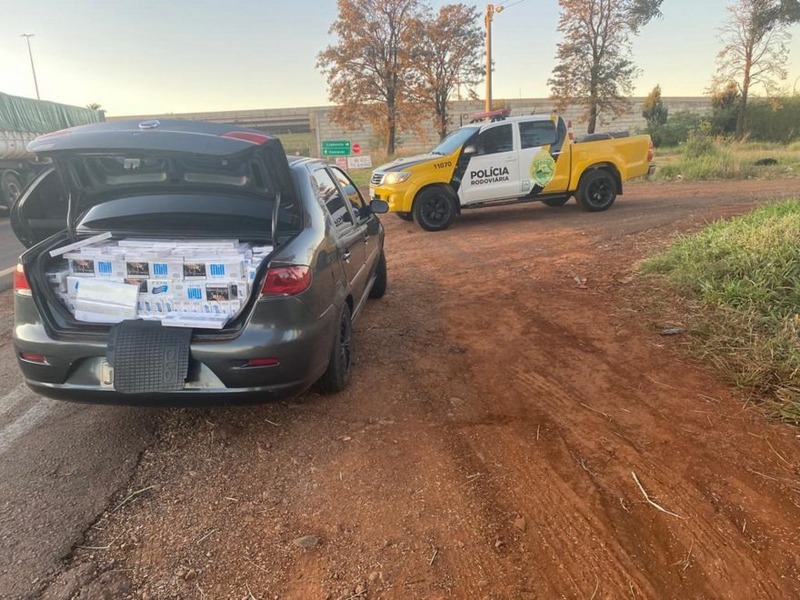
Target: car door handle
{"type": "Point", "coordinates": [346, 256]}
{"type": "Point", "coordinates": [366, 239]}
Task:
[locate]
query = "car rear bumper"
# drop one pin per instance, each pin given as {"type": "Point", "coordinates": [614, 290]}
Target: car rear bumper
{"type": "Point", "coordinates": [77, 370]}
{"type": "Point", "coordinates": [183, 398]}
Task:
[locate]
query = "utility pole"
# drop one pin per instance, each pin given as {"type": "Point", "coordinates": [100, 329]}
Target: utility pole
{"type": "Point", "coordinates": [28, 37]}
{"type": "Point", "coordinates": [491, 9]}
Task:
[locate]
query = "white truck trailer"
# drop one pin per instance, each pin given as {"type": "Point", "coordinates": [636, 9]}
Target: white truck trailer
{"type": "Point", "coordinates": [21, 120]}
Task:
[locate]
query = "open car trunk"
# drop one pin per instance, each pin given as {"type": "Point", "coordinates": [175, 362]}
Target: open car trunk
{"type": "Point", "coordinates": [137, 223]}
{"type": "Point", "coordinates": [84, 287]}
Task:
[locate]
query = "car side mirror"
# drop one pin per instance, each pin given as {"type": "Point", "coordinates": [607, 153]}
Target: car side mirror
{"type": "Point", "coordinates": [379, 207]}
{"type": "Point", "coordinates": [469, 150]}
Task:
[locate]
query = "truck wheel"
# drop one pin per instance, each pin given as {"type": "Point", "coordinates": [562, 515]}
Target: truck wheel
{"type": "Point", "coordinates": [379, 287]}
{"type": "Point", "coordinates": [337, 375]}
{"type": "Point", "coordinates": [434, 208]}
{"type": "Point", "coordinates": [555, 202]}
{"type": "Point", "coordinates": [11, 188]}
{"type": "Point", "coordinates": [406, 216]}
{"type": "Point", "coordinates": [597, 191]}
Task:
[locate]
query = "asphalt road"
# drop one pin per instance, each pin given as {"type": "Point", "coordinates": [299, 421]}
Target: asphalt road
{"type": "Point", "coordinates": [60, 465]}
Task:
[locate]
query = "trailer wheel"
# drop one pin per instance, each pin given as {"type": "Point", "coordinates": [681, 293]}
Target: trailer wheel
{"type": "Point", "coordinates": [435, 208]}
{"type": "Point", "coordinates": [597, 191]}
{"type": "Point", "coordinates": [11, 188]}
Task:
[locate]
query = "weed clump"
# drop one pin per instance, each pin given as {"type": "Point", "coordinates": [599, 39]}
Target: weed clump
{"type": "Point", "coordinates": [743, 278]}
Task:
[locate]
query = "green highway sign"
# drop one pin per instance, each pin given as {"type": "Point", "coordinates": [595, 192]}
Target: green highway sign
{"type": "Point", "coordinates": [335, 147]}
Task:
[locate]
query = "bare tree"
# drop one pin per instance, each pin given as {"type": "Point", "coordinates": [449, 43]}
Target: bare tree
{"type": "Point", "coordinates": [594, 66]}
{"type": "Point", "coordinates": [755, 50]}
{"type": "Point", "coordinates": [370, 69]}
{"type": "Point", "coordinates": [451, 46]}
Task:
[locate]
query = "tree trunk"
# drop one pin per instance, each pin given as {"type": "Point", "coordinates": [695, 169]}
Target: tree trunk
{"type": "Point", "coordinates": [391, 132]}
{"type": "Point", "coordinates": [592, 124]}
{"type": "Point", "coordinates": [741, 113]}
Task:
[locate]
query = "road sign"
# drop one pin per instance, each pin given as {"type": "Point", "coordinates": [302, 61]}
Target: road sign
{"type": "Point", "coordinates": [356, 149]}
{"type": "Point", "coordinates": [335, 147]}
{"type": "Point", "coordinates": [359, 162]}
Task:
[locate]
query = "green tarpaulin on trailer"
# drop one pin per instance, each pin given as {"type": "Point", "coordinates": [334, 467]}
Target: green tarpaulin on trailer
{"type": "Point", "coordinates": [40, 116]}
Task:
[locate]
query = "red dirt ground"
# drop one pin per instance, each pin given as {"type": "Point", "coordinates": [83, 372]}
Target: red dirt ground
{"type": "Point", "coordinates": [504, 430]}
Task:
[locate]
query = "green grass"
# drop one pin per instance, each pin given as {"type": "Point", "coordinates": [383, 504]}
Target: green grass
{"type": "Point", "coordinates": [741, 281]}
{"type": "Point", "coordinates": [707, 158]}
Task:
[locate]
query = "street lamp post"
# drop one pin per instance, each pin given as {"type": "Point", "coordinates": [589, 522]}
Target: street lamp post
{"type": "Point", "coordinates": [28, 37]}
{"type": "Point", "coordinates": [491, 9]}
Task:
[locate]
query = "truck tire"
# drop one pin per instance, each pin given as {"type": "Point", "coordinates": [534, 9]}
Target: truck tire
{"type": "Point", "coordinates": [10, 189]}
{"type": "Point", "coordinates": [555, 202]}
{"type": "Point", "coordinates": [596, 191]}
{"type": "Point", "coordinates": [406, 216]}
{"type": "Point", "coordinates": [435, 208]}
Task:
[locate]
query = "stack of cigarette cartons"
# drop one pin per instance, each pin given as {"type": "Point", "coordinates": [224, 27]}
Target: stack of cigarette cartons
{"type": "Point", "coordinates": [177, 279]}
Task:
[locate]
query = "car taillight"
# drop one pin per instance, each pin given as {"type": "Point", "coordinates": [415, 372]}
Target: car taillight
{"type": "Point", "coordinates": [21, 284]}
{"type": "Point", "coordinates": [33, 357]}
{"type": "Point", "coordinates": [286, 281]}
{"type": "Point", "coordinates": [650, 152]}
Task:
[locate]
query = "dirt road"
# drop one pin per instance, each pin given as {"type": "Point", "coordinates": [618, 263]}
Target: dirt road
{"type": "Point", "coordinates": [512, 432]}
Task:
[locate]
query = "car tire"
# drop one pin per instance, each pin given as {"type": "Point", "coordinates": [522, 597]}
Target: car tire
{"type": "Point", "coordinates": [10, 189]}
{"type": "Point", "coordinates": [405, 216]}
{"type": "Point", "coordinates": [379, 286]}
{"type": "Point", "coordinates": [555, 202]}
{"type": "Point", "coordinates": [435, 208]}
{"type": "Point", "coordinates": [596, 191]}
{"type": "Point", "coordinates": [337, 375]}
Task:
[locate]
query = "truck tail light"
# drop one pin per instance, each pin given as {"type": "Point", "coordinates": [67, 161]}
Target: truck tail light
{"type": "Point", "coordinates": [650, 152]}
{"type": "Point", "coordinates": [286, 281]}
{"type": "Point", "coordinates": [21, 283]}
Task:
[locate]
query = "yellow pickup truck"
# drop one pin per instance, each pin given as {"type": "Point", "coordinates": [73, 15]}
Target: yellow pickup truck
{"type": "Point", "coordinates": [509, 160]}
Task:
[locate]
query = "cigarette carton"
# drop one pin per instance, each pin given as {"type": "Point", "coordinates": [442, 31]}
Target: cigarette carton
{"type": "Point", "coordinates": [108, 292]}
{"type": "Point", "coordinates": [167, 268]}
{"type": "Point", "coordinates": [102, 312]}
{"type": "Point", "coordinates": [58, 280]}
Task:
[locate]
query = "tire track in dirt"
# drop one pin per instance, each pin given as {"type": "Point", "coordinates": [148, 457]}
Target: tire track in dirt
{"type": "Point", "coordinates": [484, 449]}
{"type": "Point", "coordinates": [553, 398]}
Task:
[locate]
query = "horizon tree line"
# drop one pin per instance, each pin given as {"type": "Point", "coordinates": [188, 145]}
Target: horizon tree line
{"type": "Point", "coordinates": [396, 61]}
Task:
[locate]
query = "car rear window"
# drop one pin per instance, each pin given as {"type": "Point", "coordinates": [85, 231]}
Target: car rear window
{"type": "Point", "coordinates": [96, 173]}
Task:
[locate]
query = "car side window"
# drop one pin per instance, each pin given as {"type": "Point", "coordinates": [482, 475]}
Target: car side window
{"type": "Point", "coordinates": [332, 199]}
{"type": "Point", "coordinates": [351, 192]}
{"type": "Point", "coordinates": [537, 133]}
{"type": "Point", "coordinates": [496, 139]}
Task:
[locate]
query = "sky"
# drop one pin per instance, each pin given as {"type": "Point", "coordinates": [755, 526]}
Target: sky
{"type": "Point", "coordinates": [177, 56]}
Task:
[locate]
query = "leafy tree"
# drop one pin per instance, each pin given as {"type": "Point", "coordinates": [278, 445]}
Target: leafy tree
{"type": "Point", "coordinates": [594, 68]}
{"type": "Point", "coordinates": [654, 111]}
{"type": "Point", "coordinates": [755, 49]}
{"type": "Point", "coordinates": [450, 56]}
{"type": "Point", "coordinates": [725, 108]}
{"type": "Point", "coordinates": [370, 69]}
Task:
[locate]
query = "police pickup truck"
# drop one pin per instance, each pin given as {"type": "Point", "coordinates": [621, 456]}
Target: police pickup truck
{"type": "Point", "coordinates": [509, 160]}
